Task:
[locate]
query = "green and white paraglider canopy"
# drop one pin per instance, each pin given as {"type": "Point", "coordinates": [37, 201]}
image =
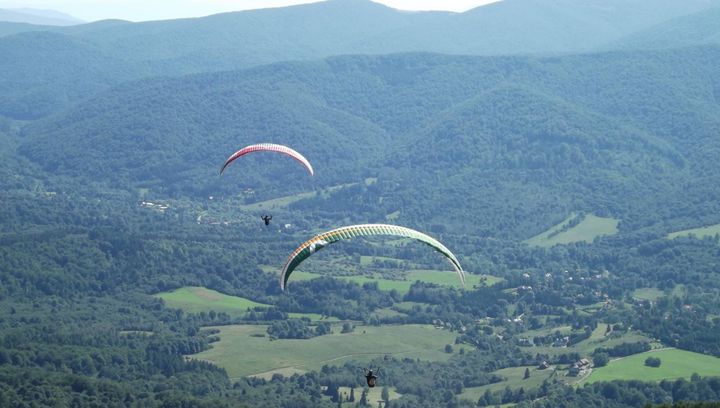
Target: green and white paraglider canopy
{"type": "Point", "coordinates": [320, 241]}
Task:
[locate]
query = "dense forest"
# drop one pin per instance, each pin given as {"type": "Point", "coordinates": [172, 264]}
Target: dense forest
{"type": "Point", "coordinates": [111, 143]}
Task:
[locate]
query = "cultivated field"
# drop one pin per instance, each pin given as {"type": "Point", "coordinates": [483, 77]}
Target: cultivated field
{"type": "Point", "coordinates": [675, 364]}
{"type": "Point", "coordinates": [242, 352]}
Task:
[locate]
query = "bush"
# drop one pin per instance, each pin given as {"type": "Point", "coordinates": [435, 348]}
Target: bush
{"type": "Point", "coordinates": [653, 362]}
{"type": "Point", "coordinates": [601, 359]}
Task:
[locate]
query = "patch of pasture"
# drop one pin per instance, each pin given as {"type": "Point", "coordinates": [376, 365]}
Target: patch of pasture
{"type": "Point", "coordinates": [514, 378]}
{"type": "Point", "coordinates": [587, 230]}
{"type": "Point", "coordinates": [440, 277]}
{"type": "Point", "coordinates": [702, 232]}
{"type": "Point", "coordinates": [675, 364]}
{"type": "Point", "coordinates": [243, 353]}
{"type": "Point", "coordinates": [194, 299]}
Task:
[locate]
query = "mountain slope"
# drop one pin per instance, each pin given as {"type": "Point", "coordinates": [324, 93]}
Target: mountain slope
{"type": "Point", "coordinates": [468, 136]}
{"type": "Point", "coordinates": [41, 72]}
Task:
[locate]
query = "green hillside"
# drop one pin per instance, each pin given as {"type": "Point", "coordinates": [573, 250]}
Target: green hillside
{"type": "Point", "coordinates": [547, 144]}
{"type": "Point", "coordinates": [675, 364]}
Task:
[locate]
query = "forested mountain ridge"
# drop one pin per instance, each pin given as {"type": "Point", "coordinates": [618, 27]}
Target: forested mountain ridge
{"type": "Point", "coordinates": [638, 125]}
{"type": "Point", "coordinates": [42, 72]}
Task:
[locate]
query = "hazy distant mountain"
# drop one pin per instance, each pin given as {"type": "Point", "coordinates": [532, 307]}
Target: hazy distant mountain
{"type": "Point", "coordinates": [39, 17]}
{"type": "Point", "coordinates": [337, 27]}
{"type": "Point", "coordinates": [700, 28]}
{"type": "Point", "coordinates": [232, 40]}
{"type": "Point", "coordinates": [600, 132]}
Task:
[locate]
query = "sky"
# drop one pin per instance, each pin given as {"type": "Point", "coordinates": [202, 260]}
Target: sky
{"type": "Point", "coordinates": [143, 10]}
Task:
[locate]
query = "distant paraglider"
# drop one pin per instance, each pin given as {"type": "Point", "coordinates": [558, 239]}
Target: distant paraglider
{"type": "Point", "coordinates": [269, 147]}
{"type": "Point", "coordinates": [267, 219]}
{"type": "Point", "coordinates": [371, 377]}
{"type": "Point", "coordinates": [322, 240]}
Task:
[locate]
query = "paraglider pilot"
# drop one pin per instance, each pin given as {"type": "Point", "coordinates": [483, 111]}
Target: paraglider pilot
{"type": "Point", "coordinates": [267, 219]}
{"type": "Point", "coordinates": [370, 377]}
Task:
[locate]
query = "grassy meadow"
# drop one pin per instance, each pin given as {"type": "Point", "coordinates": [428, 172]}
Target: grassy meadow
{"type": "Point", "coordinates": [244, 350]}
{"type": "Point", "coordinates": [373, 396]}
{"type": "Point", "coordinates": [675, 364]}
{"type": "Point", "coordinates": [194, 299]}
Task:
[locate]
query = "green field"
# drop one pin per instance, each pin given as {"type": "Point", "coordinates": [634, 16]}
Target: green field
{"type": "Point", "coordinates": [702, 232]}
{"type": "Point", "coordinates": [647, 293]}
{"type": "Point", "coordinates": [374, 394]}
{"type": "Point", "coordinates": [675, 364]}
{"type": "Point", "coordinates": [282, 202]}
{"type": "Point", "coordinates": [446, 278]}
{"type": "Point", "coordinates": [243, 354]}
{"type": "Point", "coordinates": [514, 379]}
{"type": "Point", "coordinates": [587, 230]}
{"type": "Point", "coordinates": [194, 299]}
{"type": "Point", "coordinates": [197, 299]}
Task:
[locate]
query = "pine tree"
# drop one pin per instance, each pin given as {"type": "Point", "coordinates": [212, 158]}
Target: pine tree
{"type": "Point", "coordinates": [527, 374]}
{"type": "Point", "coordinates": [363, 398]}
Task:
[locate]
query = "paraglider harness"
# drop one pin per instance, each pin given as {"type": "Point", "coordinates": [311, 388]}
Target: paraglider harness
{"type": "Point", "coordinates": [267, 219]}
{"type": "Point", "coordinates": [370, 377]}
